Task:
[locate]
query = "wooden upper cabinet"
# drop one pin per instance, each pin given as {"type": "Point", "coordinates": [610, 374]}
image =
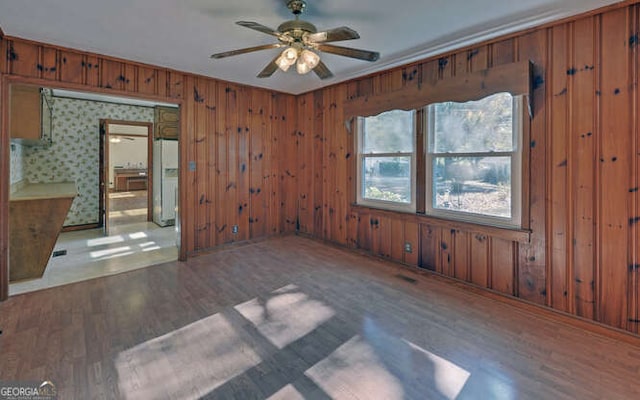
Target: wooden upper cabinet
{"type": "Point", "coordinates": [25, 113]}
{"type": "Point", "coordinates": [167, 123]}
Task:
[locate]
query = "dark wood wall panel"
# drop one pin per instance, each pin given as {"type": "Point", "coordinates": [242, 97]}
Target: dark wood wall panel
{"type": "Point", "coordinates": [239, 141]}
{"type": "Point", "coordinates": [581, 187]}
{"type": "Point", "coordinates": [615, 161]}
{"type": "Point", "coordinates": [583, 165]}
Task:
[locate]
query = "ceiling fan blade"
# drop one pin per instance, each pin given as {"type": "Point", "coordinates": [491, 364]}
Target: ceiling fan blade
{"type": "Point", "coordinates": [269, 69]}
{"type": "Point", "coordinates": [260, 28]}
{"type": "Point", "coordinates": [333, 35]}
{"type": "Point", "coordinates": [322, 71]}
{"type": "Point", "coordinates": [246, 50]}
{"type": "Point", "coordinates": [349, 52]}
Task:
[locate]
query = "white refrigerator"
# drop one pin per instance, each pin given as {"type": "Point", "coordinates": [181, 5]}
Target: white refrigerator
{"type": "Point", "coordinates": [165, 181]}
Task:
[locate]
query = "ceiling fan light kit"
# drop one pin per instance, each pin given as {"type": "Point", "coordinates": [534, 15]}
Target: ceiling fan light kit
{"type": "Point", "coordinates": [302, 41]}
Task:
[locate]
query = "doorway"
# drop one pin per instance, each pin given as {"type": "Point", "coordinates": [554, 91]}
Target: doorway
{"type": "Point", "coordinates": [82, 250]}
{"type": "Point", "coordinates": [125, 173]}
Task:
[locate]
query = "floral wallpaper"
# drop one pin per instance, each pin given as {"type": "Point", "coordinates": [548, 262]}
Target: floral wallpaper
{"type": "Point", "coordinates": [74, 154]}
{"type": "Point", "coordinates": [17, 163]}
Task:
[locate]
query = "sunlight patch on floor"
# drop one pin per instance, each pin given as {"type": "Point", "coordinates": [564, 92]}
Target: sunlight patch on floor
{"type": "Point", "coordinates": [287, 393]}
{"type": "Point", "coordinates": [448, 377]}
{"type": "Point", "coordinates": [137, 235]}
{"type": "Point", "coordinates": [285, 316]}
{"type": "Point", "coordinates": [109, 252]}
{"type": "Point", "coordinates": [355, 371]}
{"type": "Point", "coordinates": [187, 363]}
{"type": "Point", "coordinates": [105, 241]}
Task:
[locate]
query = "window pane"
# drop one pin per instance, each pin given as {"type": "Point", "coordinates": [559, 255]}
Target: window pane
{"type": "Point", "coordinates": [479, 185]}
{"type": "Point", "coordinates": [387, 178]}
{"type": "Point", "coordinates": [476, 126]}
{"type": "Point", "coordinates": [389, 132]}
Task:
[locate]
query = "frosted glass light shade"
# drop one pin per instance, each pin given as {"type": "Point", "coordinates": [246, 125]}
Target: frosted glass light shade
{"type": "Point", "coordinates": [302, 67]}
{"type": "Point", "coordinates": [283, 64]}
{"type": "Point", "coordinates": [287, 58]}
{"type": "Point", "coordinates": [310, 58]}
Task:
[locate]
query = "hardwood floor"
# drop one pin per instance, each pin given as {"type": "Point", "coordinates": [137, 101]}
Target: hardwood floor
{"type": "Point", "coordinates": [291, 318]}
{"type": "Point", "coordinates": [127, 207]}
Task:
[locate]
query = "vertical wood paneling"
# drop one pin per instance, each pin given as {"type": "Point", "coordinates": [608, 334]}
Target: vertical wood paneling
{"type": "Point", "coordinates": [188, 181]}
{"type": "Point", "coordinates": [232, 167]}
{"type": "Point", "coordinates": [306, 167]}
{"type": "Point", "coordinates": [92, 70]}
{"type": "Point", "coordinates": [560, 90]}
{"type": "Point", "coordinates": [583, 201]}
{"type": "Point", "coordinates": [259, 186]}
{"type": "Point", "coordinates": [503, 268]}
{"type": "Point", "coordinates": [243, 168]}
{"type": "Point", "coordinates": [222, 168]}
{"type": "Point", "coordinates": [479, 260]}
{"type": "Point", "coordinates": [430, 247]}
{"type": "Point", "coordinates": [632, 290]}
{"type": "Point", "coordinates": [211, 145]}
{"type": "Point", "coordinates": [318, 165]}
{"type": "Point", "coordinates": [634, 266]}
{"type": "Point", "coordinates": [49, 66]}
{"type": "Point", "coordinates": [581, 198]}
{"type": "Point", "coordinates": [446, 252]}
{"type": "Point", "coordinates": [147, 82]}
{"type": "Point", "coordinates": [533, 265]}
{"type": "Point", "coordinates": [200, 143]}
{"type": "Point", "coordinates": [111, 74]}
{"type": "Point", "coordinates": [461, 247]}
{"type": "Point", "coordinates": [285, 123]}
{"type": "Point", "coordinates": [231, 127]}
{"type": "Point", "coordinates": [130, 78]}
{"type": "Point", "coordinates": [72, 68]}
{"type": "Point", "coordinates": [4, 187]}
{"type": "Point", "coordinates": [24, 58]}
{"type": "Point", "coordinates": [397, 240]}
{"type": "Point", "coordinates": [583, 165]}
{"type": "Point", "coordinates": [503, 52]}
{"type": "Point", "coordinates": [412, 236]}
{"type": "Point", "coordinates": [365, 226]}
{"type": "Point", "coordinates": [614, 163]}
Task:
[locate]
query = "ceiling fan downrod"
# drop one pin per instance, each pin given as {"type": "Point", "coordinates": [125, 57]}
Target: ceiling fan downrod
{"type": "Point", "coordinates": [296, 6]}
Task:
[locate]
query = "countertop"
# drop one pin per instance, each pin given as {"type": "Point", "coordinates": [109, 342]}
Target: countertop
{"type": "Point", "coordinates": [40, 191]}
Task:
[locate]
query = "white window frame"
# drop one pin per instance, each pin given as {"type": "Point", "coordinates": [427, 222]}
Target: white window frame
{"type": "Point", "coordinates": [360, 189]}
{"type": "Point", "coordinates": [515, 221]}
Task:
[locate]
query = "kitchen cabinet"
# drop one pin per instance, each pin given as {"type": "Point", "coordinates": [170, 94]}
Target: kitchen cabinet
{"type": "Point", "coordinates": [29, 115]}
{"type": "Point", "coordinates": [130, 179]}
{"type": "Point", "coordinates": [167, 123]}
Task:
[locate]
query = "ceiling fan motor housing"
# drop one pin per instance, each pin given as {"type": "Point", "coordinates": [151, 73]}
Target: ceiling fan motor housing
{"type": "Point", "coordinates": [297, 27]}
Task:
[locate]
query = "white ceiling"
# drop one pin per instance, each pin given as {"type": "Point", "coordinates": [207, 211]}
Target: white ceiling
{"type": "Point", "coordinates": [182, 34]}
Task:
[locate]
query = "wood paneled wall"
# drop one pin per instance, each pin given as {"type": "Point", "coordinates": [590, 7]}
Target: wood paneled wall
{"type": "Point", "coordinates": [273, 163]}
{"type": "Point", "coordinates": [581, 256]}
{"type": "Point", "coordinates": [237, 144]}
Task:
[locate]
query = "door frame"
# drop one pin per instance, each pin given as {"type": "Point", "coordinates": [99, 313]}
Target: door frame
{"type": "Point", "coordinates": [103, 217]}
{"type": "Point", "coordinates": [5, 81]}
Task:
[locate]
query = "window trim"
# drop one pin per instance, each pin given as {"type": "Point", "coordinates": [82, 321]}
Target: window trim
{"type": "Point", "coordinates": [517, 204]}
{"type": "Point", "coordinates": [361, 156]}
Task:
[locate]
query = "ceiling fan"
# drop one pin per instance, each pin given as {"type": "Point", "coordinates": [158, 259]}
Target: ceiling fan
{"type": "Point", "coordinates": [302, 42]}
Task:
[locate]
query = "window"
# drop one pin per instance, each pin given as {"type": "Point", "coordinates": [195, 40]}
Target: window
{"type": "Point", "coordinates": [386, 160]}
{"type": "Point", "coordinates": [473, 160]}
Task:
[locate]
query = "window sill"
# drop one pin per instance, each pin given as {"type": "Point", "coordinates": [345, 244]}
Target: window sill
{"type": "Point", "coordinates": [511, 234]}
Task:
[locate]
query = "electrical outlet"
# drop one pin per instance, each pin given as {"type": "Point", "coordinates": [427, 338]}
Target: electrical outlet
{"type": "Point", "coordinates": [407, 247]}
{"type": "Point", "coordinates": [234, 229]}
